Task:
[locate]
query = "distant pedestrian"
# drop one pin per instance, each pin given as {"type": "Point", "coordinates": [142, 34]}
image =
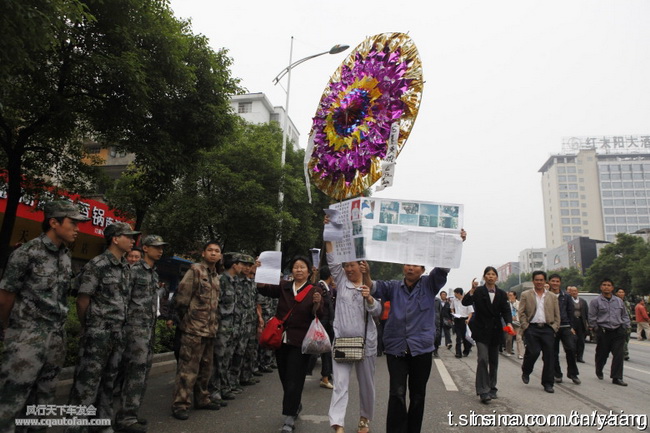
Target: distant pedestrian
{"type": "Point", "coordinates": [33, 310]}
{"type": "Point", "coordinates": [642, 320]}
{"type": "Point", "coordinates": [565, 334]}
{"type": "Point", "coordinates": [610, 321]}
{"type": "Point", "coordinates": [580, 321]}
{"type": "Point", "coordinates": [539, 314]}
{"type": "Point", "coordinates": [628, 309]}
{"type": "Point", "coordinates": [491, 309]}
{"type": "Point", "coordinates": [445, 321]}
{"type": "Point", "coordinates": [462, 314]}
{"type": "Point", "coordinates": [513, 303]}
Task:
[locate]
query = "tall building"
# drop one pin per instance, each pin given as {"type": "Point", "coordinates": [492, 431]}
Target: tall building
{"type": "Point", "coordinates": [532, 259]}
{"type": "Point", "coordinates": [256, 108]}
{"type": "Point", "coordinates": [597, 187]}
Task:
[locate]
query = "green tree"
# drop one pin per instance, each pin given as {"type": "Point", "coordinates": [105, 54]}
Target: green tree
{"type": "Point", "coordinates": [124, 72]}
{"type": "Point", "coordinates": [621, 261]}
{"type": "Point", "coordinates": [231, 195]}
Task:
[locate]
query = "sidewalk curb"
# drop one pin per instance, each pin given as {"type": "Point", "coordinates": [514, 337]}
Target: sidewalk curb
{"type": "Point", "coordinates": [162, 363]}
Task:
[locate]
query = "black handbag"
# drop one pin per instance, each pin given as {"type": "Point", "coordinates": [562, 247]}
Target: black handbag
{"type": "Point", "coordinates": [351, 349]}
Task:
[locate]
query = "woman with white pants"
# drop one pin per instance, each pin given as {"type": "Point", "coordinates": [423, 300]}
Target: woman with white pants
{"type": "Point", "coordinates": [353, 303]}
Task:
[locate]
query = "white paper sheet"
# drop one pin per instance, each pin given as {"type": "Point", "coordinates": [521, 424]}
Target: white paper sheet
{"type": "Point", "coordinates": [270, 268]}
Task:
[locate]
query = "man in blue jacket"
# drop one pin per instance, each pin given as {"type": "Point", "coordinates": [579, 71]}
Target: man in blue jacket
{"type": "Point", "coordinates": [409, 335]}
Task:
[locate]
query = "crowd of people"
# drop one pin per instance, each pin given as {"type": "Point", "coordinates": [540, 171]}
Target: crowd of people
{"type": "Point", "coordinates": [219, 312]}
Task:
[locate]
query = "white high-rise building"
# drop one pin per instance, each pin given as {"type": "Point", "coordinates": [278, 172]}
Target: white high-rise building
{"type": "Point", "coordinates": [597, 187]}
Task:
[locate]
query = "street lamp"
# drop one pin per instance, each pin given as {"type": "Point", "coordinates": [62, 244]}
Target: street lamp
{"type": "Point", "coordinates": [287, 71]}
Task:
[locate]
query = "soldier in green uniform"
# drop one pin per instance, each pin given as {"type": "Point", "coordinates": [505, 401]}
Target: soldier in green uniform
{"type": "Point", "coordinates": [103, 296]}
{"type": "Point", "coordinates": [197, 301]}
{"type": "Point", "coordinates": [252, 322]}
{"type": "Point", "coordinates": [224, 345]}
{"type": "Point", "coordinates": [240, 333]}
{"type": "Point", "coordinates": [139, 332]}
{"type": "Point", "coordinates": [33, 309]}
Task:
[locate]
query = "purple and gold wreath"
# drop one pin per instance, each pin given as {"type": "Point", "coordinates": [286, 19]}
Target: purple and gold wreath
{"type": "Point", "coordinates": [378, 84]}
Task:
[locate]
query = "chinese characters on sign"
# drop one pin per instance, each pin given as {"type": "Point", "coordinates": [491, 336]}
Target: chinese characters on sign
{"type": "Point", "coordinates": [608, 143]}
{"type": "Point", "coordinates": [398, 231]}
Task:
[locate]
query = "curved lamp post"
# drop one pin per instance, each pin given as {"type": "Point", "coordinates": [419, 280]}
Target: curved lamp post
{"type": "Point", "coordinates": [287, 71]}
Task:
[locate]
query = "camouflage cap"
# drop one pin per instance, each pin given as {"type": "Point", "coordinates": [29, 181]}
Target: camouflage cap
{"type": "Point", "coordinates": [236, 257]}
{"type": "Point", "coordinates": [119, 229]}
{"type": "Point", "coordinates": [245, 258]}
{"type": "Point", "coordinates": [62, 209]}
{"type": "Point", "coordinates": [154, 241]}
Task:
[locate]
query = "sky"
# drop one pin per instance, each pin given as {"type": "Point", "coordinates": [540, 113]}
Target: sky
{"type": "Point", "coordinates": [505, 81]}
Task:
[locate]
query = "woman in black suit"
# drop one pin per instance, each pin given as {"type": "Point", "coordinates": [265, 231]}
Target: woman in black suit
{"type": "Point", "coordinates": [491, 311]}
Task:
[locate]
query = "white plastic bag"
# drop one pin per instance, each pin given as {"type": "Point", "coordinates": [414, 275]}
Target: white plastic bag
{"type": "Point", "coordinates": [316, 340]}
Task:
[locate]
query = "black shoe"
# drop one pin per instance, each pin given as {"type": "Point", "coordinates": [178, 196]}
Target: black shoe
{"type": "Point", "coordinates": [142, 421]}
{"type": "Point", "coordinates": [493, 395]}
{"type": "Point", "coordinates": [248, 382]}
{"type": "Point", "coordinates": [237, 390]}
{"type": "Point", "coordinates": [266, 370]}
{"type": "Point", "coordinates": [133, 428]}
{"type": "Point", "coordinates": [449, 346]}
{"type": "Point", "coordinates": [627, 358]}
{"type": "Point", "coordinates": [580, 360]}
{"type": "Point", "coordinates": [485, 398]}
{"type": "Point", "coordinates": [558, 380]}
{"type": "Point", "coordinates": [274, 366]}
{"type": "Point", "coordinates": [181, 414]}
{"type": "Point", "coordinates": [257, 373]}
{"type": "Point", "coordinates": [525, 378]}
{"type": "Point", "coordinates": [228, 396]}
{"type": "Point", "coordinates": [549, 389]}
{"type": "Point", "coordinates": [435, 353]}
{"type": "Point", "coordinates": [599, 375]}
{"type": "Point", "coordinates": [209, 406]}
{"type": "Point", "coordinates": [575, 379]}
{"type": "Point", "coordinates": [458, 355]}
{"type": "Point", "coordinates": [466, 353]}
{"type": "Point", "coordinates": [619, 382]}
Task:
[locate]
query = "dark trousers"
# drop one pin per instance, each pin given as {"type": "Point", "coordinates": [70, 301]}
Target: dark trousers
{"type": "Point", "coordinates": [569, 344]}
{"type": "Point", "coordinates": [539, 339]}
{"type": "Point", "coordinates": [610, 341]}
{"type": "Point", "coordinates": [292, 367]}
{"type": "Point", "coordinates": [487, 365]}
{"type": "Point", "coordinates": [414, 371]}
{"type": "Point", "coordinates": [461, 342]}
{"type": "Point", "coordinates": [581, 335]}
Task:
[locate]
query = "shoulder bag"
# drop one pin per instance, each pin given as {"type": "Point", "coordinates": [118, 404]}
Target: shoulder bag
{"type": "Point", "coordinates": [351, 349]}
{"type": "Point", "coordinates": [271, 337]}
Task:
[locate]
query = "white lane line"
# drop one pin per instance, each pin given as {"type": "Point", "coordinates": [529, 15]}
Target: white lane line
{"type": "Point", "coordinates": [446, 377]}
{"type": "Point", "coordinates": [636, 369]}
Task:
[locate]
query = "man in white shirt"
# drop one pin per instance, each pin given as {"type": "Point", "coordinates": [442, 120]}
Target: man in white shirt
{"type": "Point", "coordinates": [461, 315]}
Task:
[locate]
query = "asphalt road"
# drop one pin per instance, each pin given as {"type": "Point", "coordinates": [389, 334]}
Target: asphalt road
{"type": "Point", "coordinates": [451, 401]}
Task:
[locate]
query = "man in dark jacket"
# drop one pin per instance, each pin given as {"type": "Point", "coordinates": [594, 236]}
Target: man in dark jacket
{"type": "Point", "coordinates": [491, 309]}
{"type": "Point", "coordinates": [579, 322]}
{"type": "Point", "coordinates": [566, 334]}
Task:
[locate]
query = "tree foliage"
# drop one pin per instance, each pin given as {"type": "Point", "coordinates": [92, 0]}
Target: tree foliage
{"type": "Point", "coordinates": [124, 72]}
{"type": "Point", "coordinates": [231, 195]}
{"type": "Point", "coordinates": [625, 262]}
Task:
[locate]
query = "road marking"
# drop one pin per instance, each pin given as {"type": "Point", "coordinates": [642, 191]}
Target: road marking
{"type": "Point", "coordinates": [636, 369]}
{"type": "Point", "coordinates": [446, 377]}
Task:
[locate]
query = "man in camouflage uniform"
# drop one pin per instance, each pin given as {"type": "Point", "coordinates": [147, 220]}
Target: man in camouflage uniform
{"type": "Point", "coordinates": [33, 309]}
{"type": "Point", "coordinates": [103, 296]}
{"type": "Point", "coordinates": [224, 346]}
{"type": "Point", "coordinates": [197, 300]}
{"type": "Point", "coordinates": [139, 333]}
{"type": "Point", "coordinates": [242, 312]}
{"type": "Point", "coordinates": [252, 322]}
